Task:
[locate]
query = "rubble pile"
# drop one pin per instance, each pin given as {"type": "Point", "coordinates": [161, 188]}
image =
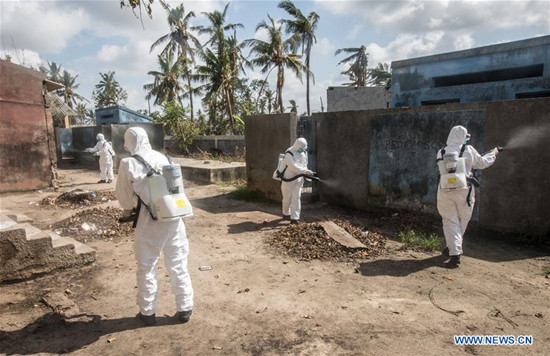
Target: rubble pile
{"type": "Point", "coordinates": [310, 241]}
{"type": "Point", "coordinates": [93, 224]}
{"type": "Point", "coordinates": [76, 199]}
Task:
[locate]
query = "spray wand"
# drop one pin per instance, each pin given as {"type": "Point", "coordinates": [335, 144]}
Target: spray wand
{"type": "Point", "coordinates": [499, 148]}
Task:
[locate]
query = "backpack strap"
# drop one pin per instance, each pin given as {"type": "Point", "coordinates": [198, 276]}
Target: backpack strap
{"type": "Point", "coordinates": [442, 153]}
{"type": "Point", "coordinates": [462, 151]}
{"type": "Point", "coordinates": [290, 153]}
{"type": "Point", "coordinates": [150, 172]}
{"type": "Point", "coordinates": [150, 169]}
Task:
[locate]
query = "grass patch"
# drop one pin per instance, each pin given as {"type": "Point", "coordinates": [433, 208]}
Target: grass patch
{"type": "Point", "coordinates": [242, 193]}
{"type": "Point", "coordinates": [415, 240]}
{"type": "Point", "coordinates": [233, 183]}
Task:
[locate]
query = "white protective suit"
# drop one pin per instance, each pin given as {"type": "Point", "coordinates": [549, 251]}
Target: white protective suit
{"type": "Point", "coordinates": [452, 204]}
{"type": "Point", "coordinates": [153, 237]}
{"type": "Point", "coordinates": [296, 163]}
{"type": "Point", "coordinates": [105, 152]}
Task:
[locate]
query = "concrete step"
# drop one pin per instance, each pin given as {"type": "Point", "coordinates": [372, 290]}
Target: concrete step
{"type": "Point", "coordinates": [27, 250]}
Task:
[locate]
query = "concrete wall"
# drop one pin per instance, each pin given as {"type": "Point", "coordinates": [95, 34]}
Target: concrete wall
{"type": "Point", "coordinates": [386, 158]}
{"type": "Point", "coordinates": [414, 81]}
{"type": "Point", "coordinates": [84, 137]}
{"type": "Point", "coordinates": [119, 115]}
{"type": "Point", "coordinates": [357, 98]}
{"type": "Point", "coordinates": [266, 137]}
{"type": "Point", "coordinates": [27, 142]}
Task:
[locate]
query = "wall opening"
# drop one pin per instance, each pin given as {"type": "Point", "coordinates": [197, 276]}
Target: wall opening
{"type": "Point", "coordinates": [535, 70]}
{"type": "Point", "coordinates": [533, 94]}
{"type": "Point", "coordinates": [440, 101]}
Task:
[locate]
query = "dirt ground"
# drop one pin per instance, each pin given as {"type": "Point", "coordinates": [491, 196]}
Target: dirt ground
{"type": "Point", "coordinates": [258, 300]}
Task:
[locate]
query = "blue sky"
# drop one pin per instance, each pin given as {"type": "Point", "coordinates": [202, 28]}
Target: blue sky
{"type": "Point", "coordinates": [88, 37]}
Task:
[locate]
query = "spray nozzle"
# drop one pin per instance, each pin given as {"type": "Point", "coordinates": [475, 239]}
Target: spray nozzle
{"type": "Point", "coordinates": [500, 148]}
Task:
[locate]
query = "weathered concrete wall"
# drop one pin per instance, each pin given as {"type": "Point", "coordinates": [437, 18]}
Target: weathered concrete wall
{"type": "Point", "coordinates": [27, 142]}
{"type": "Point", "coordinates": [515, 192]}
{"type": "Point", "coordinates": [84, 137]}
{"type": "Point", "coordinates": [357, 98]}
{"type": "Point", "coordinates": [119, 115]}
{"type": "Point", "coordinates": [154, 131]}
{"type": "Point", "coordinates": [402, 168]}
{"type": "Point", "coordinates": [266, 137]}
{"type": "Point", "coordinates": [414, 81]}
{"type": "Point", "coordinates": [343, 141]}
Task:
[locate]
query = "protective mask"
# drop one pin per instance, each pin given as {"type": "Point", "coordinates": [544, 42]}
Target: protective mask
{"type": "Point", "coordinates": [302, 150]}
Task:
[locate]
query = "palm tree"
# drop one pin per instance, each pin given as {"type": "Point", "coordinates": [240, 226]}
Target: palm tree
{"type": "Point", "coordinates": [218, 80]}
{"type": "Point", "coordinates": [52, 72]}
{"type": "Point", "coordinates": [293, 106]}
{"type": "Point", "coordinates": [221, 64]}
{"type": "Point", "coordinates": [305, 27]}
{"type": "Point", "coordinates": [381, 75]}
{"type": "Point", "coordinates": [68, 93]}
{"type": "Point", "coordinates": [108, 92]}
{"type": "Point", "coordinates": [276, 53]}
{"type": "Point", "coordinates": [85, 115]}
{"type": "Point", "coordinates": [357, 72]}
{"type": "Point", "coordinates": [217, 28]}
{"type": "Point", "coordinates": [181, 41]}
{"type": "Point", "coordinates": [166, 85]}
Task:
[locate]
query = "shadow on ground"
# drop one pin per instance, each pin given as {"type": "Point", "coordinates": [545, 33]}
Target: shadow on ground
{"type": "Point", "coordinates": [51, 333]}
{"type": "Point", "coordinates": [398, 268]}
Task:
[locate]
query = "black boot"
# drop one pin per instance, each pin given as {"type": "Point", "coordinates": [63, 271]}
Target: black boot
{"type": "Point", "coordinates": [184, 316]}
{"type": "Point", "coordinates": [286, 217]}
{"type": "Point", "coordinates": [149, 320]}
{"type": "Point", "coordinates": [445, 252]}
{"type": "Point", "coordinates": [294, 222]}
{"type": "Point", "coordinates": [454, 262]}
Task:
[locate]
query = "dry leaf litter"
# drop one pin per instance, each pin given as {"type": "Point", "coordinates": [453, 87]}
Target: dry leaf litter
{"type": "Point", "coordinates": [309, 241]}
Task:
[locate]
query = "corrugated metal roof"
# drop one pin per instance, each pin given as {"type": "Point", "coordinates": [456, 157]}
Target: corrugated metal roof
{"type": "Point", "coordinates": [58, 107]}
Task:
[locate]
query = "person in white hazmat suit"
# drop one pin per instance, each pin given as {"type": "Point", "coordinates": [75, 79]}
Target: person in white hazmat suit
{"type": "Point", "coordinates": [105, 152]}
{"type": "Point", "coordinates": [455, 205]}
{"type": "Point", "coordinates": [153, 236]}
{"type": "Point", "coordinates": [295, 161]}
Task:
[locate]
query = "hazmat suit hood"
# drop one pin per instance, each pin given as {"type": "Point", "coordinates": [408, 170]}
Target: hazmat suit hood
{"type": "Point", "coordinates": [99, 137]}
{"type": "Point", "coordinates": [136, 141]}
{"type": "Point", "coordinates": [458, 136]}
{"type": "Point", "coordinates": [299, 143]}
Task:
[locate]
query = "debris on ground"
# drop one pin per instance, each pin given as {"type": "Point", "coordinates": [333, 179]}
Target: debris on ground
{"type": "Point", "coordinates": [409, 220]}
{"type": "Point", "coordinates": [93, 224]}
{"type": "Point", "coordinates": [309, 241]}
{"type": "Point", "coordinates": [77, 198]}
{"type": "Point", "coordinates": [340, 235]}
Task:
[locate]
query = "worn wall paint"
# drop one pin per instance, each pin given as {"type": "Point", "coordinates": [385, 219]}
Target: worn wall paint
{"type": "Point", "coordinates": [27, 144]}
{"type": "Point", "coordinates": [403, 170]}
{"type": "Point", "coordinates": [357, 98]}
{"type": "Point", "coordinates": [266, 136]}
{"type": "Point", "coordinates": [413, 79]}
{"type": "Point", "coordinates": [515, 191]}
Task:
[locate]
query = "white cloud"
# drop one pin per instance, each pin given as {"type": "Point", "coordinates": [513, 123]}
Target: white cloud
{"type": "Point", "coordinates": [323, 47]}
{"type": "Point", "coordinates": [30, 59]}
{"type": "Point", "coordinates": [420, 16]}
{"type": "Point", "coordinates": [357, 28]}
{"type": "Point", "coordinates": [39, 27]}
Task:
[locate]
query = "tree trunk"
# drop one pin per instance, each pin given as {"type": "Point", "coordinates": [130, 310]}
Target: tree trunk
{"type": "Point", "coordinates": [190, 96]}
{"type": "Point", "coordinates": [307, 79]}
{"type": "Point", "coordinates": [280, 83]}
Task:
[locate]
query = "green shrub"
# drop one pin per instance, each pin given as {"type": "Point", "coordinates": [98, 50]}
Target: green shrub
{"type": "Point", "coordinates": [416, 240]}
